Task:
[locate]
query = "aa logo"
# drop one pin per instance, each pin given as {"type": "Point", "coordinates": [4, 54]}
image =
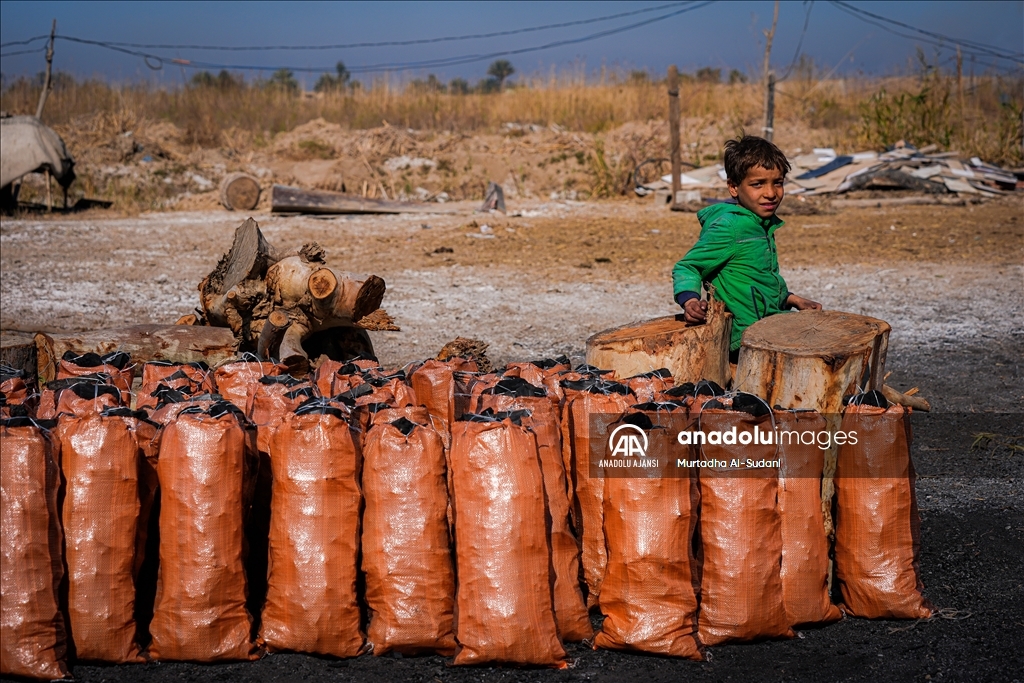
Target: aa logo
{"type": "Point", "coordinates": [628, 441]}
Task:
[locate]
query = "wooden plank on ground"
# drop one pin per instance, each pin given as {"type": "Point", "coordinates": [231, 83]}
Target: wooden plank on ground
{"type": "Point", "coordinates": [178, 343]}
{"type": "Point", "coordinates": [284, 199]}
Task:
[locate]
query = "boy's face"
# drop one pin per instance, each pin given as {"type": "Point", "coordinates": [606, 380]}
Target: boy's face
{"type": "Point", "coordinates": [761, 191]}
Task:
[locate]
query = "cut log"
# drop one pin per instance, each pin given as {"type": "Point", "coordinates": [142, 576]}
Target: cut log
{"type": "Point", "coordinates": [239, 192]}
{"type": "Point", "coordinates": [811, 360]}
{"type": "Point", "coordinates": [908, 399]}
{"type": "Point", "coordinates": [176, 343]}
{"type": "Point", "coordinates": [271, 335]}
{"type": "Point", "coordinates": [690, 352]}
{"type": "Point", "coordinates": [18, 350]}
{"type": "Point", "coordinates": [284, 199]}
{"type": "Point", "coordinates": [254, 282]}
{"type": "Point", "coordinates": [248, 259]}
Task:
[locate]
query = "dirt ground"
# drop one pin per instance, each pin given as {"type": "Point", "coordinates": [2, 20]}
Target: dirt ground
{"type": "Point", "coordinates": [949, 279]}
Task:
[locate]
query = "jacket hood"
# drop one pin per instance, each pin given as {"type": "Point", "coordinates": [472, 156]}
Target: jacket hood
{"type": "Point", "coordinates": [709, 214]}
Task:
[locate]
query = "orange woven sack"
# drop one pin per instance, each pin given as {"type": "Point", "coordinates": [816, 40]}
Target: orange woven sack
{"type": "Point", "coordinates": [570, 609]}
{"type": "Point", "coordinates": [341, 383]}
{"type": "Point", "coordinates": [594, 397]}
{"type": "Point", "coordinates": [544, 373]}
{"type": "Point", "coordinates": [323, 376]}
{"type": "Point", "coordinates": [649, 385]}
{"type": "Point", "coordinates": [331, 376]}
{"type": "Point", "coordinates": [878, 530]}
{"type": "Point", "coordinates": [312, 605]}
{"type": "Point", "coordinates": [650, 587]}
{"type": "Point", "coordinates": [805, 545]}
{"type": "Point", "coordinates": [171, 402]}
{"type": "Point", "coordinates": [410, 580]}
{"type": "Point", "coordinates": [33, 643]}
{"type": "Point", "coordinates": [14, 392]}
{"type": "Point", "coordinates": [741, 537]}
{"type": "Point", "coordinates": [274, 397]}
{"type": "Point", "coordinates": [236, 381]}
{"type": "Point", "coordinates": [189, 378]}
{"type": "Point", "coordinates": [77, 396]}
{"type": "Point", "coordinates": [206, 464]}
{"type": "Point", "coordinates": [118, 365]}
{"type": "Point", "coordinates": [417, 414]}
{"type": "Point", "coordinates": [468, 386]}
{"type": "Point", "coordinates": [505, 612]}
{"type": "Point", "coordinates": [101, 462]}
{"type": "Point", "coordinates": [391, 389]}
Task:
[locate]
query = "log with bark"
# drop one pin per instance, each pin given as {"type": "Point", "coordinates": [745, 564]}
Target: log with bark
{"type": "Point", "coordinates": [812, 360]}
{"type": "Point", "coordinates": [177, 343]}
{"type": "Point", "coordinates": [18, 350]}
{"type": "Point", "coordinates": [239, 192]}
{"type": "Point", "coordinates": [290, 306]}
{"type": "Point", "coordinates": [284, 199]}
{"type": "Point", "coordinates": [690, 352]}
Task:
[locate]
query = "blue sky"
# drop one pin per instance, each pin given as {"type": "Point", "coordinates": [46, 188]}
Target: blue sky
{"type": "Point", "coordinates": [724, 35]}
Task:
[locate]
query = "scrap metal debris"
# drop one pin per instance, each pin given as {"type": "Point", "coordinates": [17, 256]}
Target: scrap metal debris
{"type": "Point", "coordinates": [904, 167]}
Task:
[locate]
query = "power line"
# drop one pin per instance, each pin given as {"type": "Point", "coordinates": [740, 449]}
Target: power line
{"type": "Point", "coordinates": [959, 41]}
{"type": "Point", "coordinates": [155, 61]}
{"type": "Point", "coordinates": [932, 38]}
{"type": "Point", "coordinates": [799, 43]}
{"type": "Point", "coordinates": [397, 43]}
{"type": "Point", "coordinates": [28, 41]}
{"type": "Point", "coordinates": [24, 52]}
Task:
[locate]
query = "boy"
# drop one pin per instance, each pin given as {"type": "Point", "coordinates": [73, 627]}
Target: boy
{"type": "Point", "coordinates": [735, 252]}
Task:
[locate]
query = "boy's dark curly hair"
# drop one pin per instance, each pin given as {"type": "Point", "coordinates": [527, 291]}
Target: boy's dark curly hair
{"type": "Point", "coordinates": [749, 151]}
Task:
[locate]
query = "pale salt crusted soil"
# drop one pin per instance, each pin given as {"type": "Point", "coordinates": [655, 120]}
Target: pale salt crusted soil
{"type": "Point", "coordinates": [70, 274]}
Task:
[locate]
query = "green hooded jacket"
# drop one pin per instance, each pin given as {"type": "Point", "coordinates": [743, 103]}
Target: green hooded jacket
{"type": "Point", "coordinates": [735, 254]}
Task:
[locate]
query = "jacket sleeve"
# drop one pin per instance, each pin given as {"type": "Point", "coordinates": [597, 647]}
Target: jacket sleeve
{"type": "Point", "coordinates": [712, 250]}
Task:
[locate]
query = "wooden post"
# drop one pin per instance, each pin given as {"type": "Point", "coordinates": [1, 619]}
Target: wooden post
{"type": "Point", "coordinates": [673, 129]}
{"type": "Point", "coordinates": [769, 108]}
{"type": "Point", "coordinates": [769, 78]}
{"type": "Point", "coordinates": [47, 83]}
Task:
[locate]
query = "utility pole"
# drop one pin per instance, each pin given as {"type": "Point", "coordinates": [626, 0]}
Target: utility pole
{"type": "Point", "coordinates": [769, 78]}
{"type": "Point", "coordinates": [673, 130]}
{"type": "Point", "coordinates": [47, 83]}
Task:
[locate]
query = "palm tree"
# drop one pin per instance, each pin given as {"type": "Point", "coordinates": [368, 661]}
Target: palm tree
{"type": "Point", "coordinates": [284, 79]}
{"type": "Point", "coordinates": [501, 69]}
{"type": "Point", "coordinates": [330, 82]}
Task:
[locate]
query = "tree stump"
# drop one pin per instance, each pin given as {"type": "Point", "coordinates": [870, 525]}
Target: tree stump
{"type": "Point", "coordinates": [239, 192]}
{"type": "Point", "coordinates": [690, 352]}
{"type": "Point", "coordinates": [811, 360]}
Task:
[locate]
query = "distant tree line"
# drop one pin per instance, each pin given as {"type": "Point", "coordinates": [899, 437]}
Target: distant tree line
{"type": "Point", "coordinates": [284, 80]}
{"type": "Point", "coordinates": [341, 80]}
{"type": "Point", "coordinates": [705, 74]}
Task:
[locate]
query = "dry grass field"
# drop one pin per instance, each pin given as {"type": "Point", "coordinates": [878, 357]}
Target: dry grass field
{"type": "Point", "coordinates": [151, 148]}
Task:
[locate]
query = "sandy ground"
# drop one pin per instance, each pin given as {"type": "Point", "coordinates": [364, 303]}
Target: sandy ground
{"type": "Point", "coordinates": [541, 282]}
{"type": "Point", "coordinates": [950, 281]}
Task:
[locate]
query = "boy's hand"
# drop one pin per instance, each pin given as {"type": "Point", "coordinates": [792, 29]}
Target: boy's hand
{"type": "Point", "coordinates": [695, 311]}
{"type": "Point", "coordinates": [802, 304]}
